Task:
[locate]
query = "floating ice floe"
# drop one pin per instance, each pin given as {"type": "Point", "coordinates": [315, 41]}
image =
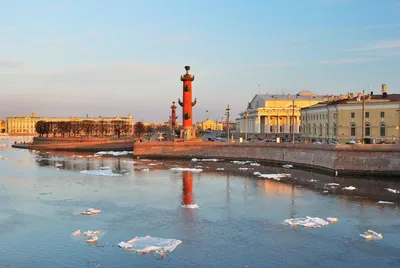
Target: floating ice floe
{"type": "Point", "coordinates": [349, 188]}
{"type": "Point", "coordinates": [58, 164]}
{"type": "Point", "coordinates": [241, 162]}
{"type": "Point", "coordinates": [332, 184]}
{"type": "Point", "coordinates": [145, 170]}
{"type": "Point", "coordinates": [220, 169]}
{"type": "Point", "coordinates": [113, 153]}
{"type": "Point", "coordinates": [255, 164]}
{"type": "Point", "coordinates": [287, 166]}
{"type": "Point", "coordinates": [191, 206]}
{"type": "Point", "coordinates": [105, 168]}
{"type": "Point", "coordinates": [150, 244]}
{"type": "Point", "coordinates": [205, 160]}
{"type": "Point", "coordinates": [91, 211]}
{"type": "Point", "coordinates": [276, 177]}
{"type": "Point", "coordinates": [194, 170]}
{"type": "Point", "coordinates": [244, 168]}
{"type": "Point", "coordinates": [368, 235]}
{"type": "Point", "coordinates": [312, 180]}
{"type": "Point", "coordinates": [92, 236]}
{"type": "Point", "coordinates": [393, 191]}
{"type": "Point", "coordinates": [102, 172]}
{"type": "Point", "coordinates": [152, 164]}
{"type": "Point", "coordinates": [385, 203]}
{"type": "Point", "coordinates": [310, 222]}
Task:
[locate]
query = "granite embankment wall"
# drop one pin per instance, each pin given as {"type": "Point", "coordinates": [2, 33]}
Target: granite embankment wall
{"type": "Point", "coordinates": [374, 159]}
{"type": "Point", "coordinates": [82, 144]}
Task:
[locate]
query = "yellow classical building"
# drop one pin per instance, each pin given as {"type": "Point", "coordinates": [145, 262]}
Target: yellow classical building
{"type": "Point", "coordinates": [210, 125]}
{"type": "Point", "coordinates": [25, 125]}
{"type": "Point", "coordinates": [367, 117]}
{"type": "Point", "coordinates": [275, 114]}
{"type": "Point", "coordinates": [2, 126]}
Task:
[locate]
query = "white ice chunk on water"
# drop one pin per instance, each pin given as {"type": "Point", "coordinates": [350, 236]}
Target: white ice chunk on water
{"type": "Point", "coordinates": [349, 188]}
{"type": "Point", "coordinates": [369, 235]}
{"type": "Point", "coordinates": [255, 164]}
{"type": "Point", "coordinates": [332, 184]}
{"type": "Point", "coordinates": [385, 203]}
{"type": "Point", "coordinates": [113, 153]}
{"type": "Point", "coordinates": [152, 164]}
{"type": "Point", "coordinates": [150, 244]}
{"type": "Point", "coordinates": [205, 160]}
{"type": "Point", "coordinates": [105, 172]}
{"type": "Point", "coordinates": [393, 191]}
{"type": "Point", "coordinates": [276, 177]}
{"type": "Point", "coordinates": [309, 222]}
{"type": "Point", "coordinates": [194, 170]}
{"type": "Point", "coordinates": [145, 170]}
{"type": "Point", "coordinates": [105, 167]}
{"type": "Point", "coordinates": [331, 219]}
{"type": "Point", "coordinates": [191, 206]}
{"type": "Point", "coordinates": [58, 164]}
{"type": "Point", "coordinates": [243, 168]}
{"type": "Point", "coordinates": [220, 169]}
{"type": "Point", "coordinates": [240, 162]}
{"type": "Point", "coordinates": [287, 166]}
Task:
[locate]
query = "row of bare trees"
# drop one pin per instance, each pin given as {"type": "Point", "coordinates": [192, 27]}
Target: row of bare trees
{"type": "Point", "coordinates": [89, 128]}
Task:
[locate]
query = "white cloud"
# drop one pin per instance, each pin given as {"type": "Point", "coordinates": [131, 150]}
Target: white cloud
{"type": "Point", "coordinates": [347, 61]}
{"type": "Point", "coordinates": [384, 44]}
{"type": "Point", "coordinates": [277, 65]}
{"type": "Point", "coordinates": [10, 64]}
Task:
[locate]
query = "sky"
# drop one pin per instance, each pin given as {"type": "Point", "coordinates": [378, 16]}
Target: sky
{"type": "Point", "coordinates": [109, 58]}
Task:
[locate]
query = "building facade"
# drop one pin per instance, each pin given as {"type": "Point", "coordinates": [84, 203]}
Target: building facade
{"type": "Point", "coordinates": [210, 125]}
{"type": "Point", "coordinates": [353, 117]}
{"type": "Point", "coordinates": [25, 125]}
{"type": "Point", "coordinates": [276, 115]}
{"type": "Point", "coordinates": [2, 126]}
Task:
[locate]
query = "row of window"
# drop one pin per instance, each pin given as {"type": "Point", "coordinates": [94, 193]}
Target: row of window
{"type": "Point", "coordinates": [367, 130]}
{"type": "Point", "coordinates": [322, 116]}
{"type": "Point", "coordinates": [353, 115]}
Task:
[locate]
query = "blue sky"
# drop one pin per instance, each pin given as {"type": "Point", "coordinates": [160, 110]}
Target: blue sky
{"type": "Point", "coordinates": [72, 58]}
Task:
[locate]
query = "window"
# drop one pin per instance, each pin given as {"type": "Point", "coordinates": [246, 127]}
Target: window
{"type": "Point", "coordinates": [382, 128]}
{"type": "Point", "coordinates": [382, 114]}
{"type": "Point", "coordinates": [367, 130]}
{"type": "Point", "coordinates": [353, 130]}
{"type": "Point", "coordinates": [334, 130]}
{"type": "Point", "coordinates": [366, 114]}
{"type": "Point", "coordinates": [353, 115]}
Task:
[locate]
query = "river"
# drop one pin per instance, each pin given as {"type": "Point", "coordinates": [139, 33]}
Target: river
{"type": "Point", "coordinates": [238, 224]}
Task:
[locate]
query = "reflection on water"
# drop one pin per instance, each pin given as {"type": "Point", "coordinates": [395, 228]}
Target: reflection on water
{"type": "Point", "coordinates": [239, 222]}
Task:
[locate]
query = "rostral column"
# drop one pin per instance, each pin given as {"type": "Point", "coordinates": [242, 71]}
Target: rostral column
{"type": "Point", "coordinates": [188, 132]}
{"type": "Point", "coordinates": [173, 116]}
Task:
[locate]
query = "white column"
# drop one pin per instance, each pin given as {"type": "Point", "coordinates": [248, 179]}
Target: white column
{"type": "Point", "coordinates": [268, 124]}
{"type": "Point", "coordinates": [257, 124]}
{"type": "Point", "coordinates": [287, 124]}
{"type": "Point", "coordinates": [277, 124]}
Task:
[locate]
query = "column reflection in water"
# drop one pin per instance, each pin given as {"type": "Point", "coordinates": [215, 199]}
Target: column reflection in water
{"type": "Point", "coordinates": [187, 190]}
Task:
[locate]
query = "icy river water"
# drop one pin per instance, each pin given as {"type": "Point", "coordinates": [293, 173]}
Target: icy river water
{"type": "Point", "coordinates": [239, 222]}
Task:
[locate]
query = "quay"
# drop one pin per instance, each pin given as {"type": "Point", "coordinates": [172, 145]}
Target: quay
{"type": "Point", "coordinates": [370, 160]}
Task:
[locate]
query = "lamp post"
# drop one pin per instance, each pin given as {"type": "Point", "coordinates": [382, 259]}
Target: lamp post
{"type": "Point", "coordinates": [245, 120]}
{"type": "Point", "coordinates": [228, 111]}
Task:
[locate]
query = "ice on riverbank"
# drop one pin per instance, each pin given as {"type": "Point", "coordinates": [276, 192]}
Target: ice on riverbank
{"type": "Point", "coordinates": [287, 166]}
{"type": "Point", "coordinates": [385, 203]}
{"type": "Point", "coordinates": [113, 153]}
{"type": "Point", "coordinates": [194, 170]}
{"type": "Point", "coordinates": [245, 163]}
{"type": "Point", "coordinates": [349, 188]}
{"type": "Point", "coordinates": [309, 222]}
{"type": "Point", "coordinates": [371, 235]}
{"type": "Point", "coordinates": [393, 191]}
{"type": "Point", "coordinates": [276, 177]}
{"type": "Point", "coordinates": [102, 172]}
{"type": "Point", "coordinates": [150, 244]}
{"type": "Point", "coordinates": [220, 169]}
{"type": "Point", "coordinates": [191, 206]}
{"type": "Point", "coordinates": [205, 160]}
{"type": "Point", "coordinates": [145, 170]}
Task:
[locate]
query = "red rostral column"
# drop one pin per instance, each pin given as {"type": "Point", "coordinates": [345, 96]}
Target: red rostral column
{"type": "Point", "coordinates": [173, 116]}
{"type": "Point", "coordinates": [187, 187]}
{"type": "Point", "coordinates": [187, 105]}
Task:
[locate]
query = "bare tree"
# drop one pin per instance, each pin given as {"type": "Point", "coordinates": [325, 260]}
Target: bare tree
{"type": "Point", "coordinates": [119, 127]}
{"type": "Point", "coordinates": [75, 127]}
{"type": "Point", "coordinates": [87, 127]}
{"type": "Point", "coordinates": [40, 127]}
{"type": "Point", "coordinates": [139, 128]}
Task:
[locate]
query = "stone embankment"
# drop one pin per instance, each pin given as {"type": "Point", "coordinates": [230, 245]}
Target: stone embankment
{"type": "Point", "coordinates": [79, 144]}
{"type": "Point", "coordinates": [366, 160]}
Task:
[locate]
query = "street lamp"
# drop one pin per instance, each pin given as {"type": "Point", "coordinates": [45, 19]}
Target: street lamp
{"type": "Point", "coordinates": [245, 118]}
{"type": "Point", "coordinates": [228, 111]}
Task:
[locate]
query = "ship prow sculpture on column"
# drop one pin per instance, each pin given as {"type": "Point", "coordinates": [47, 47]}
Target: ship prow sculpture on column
{"type": "Point", "coordinates": [187, 132]}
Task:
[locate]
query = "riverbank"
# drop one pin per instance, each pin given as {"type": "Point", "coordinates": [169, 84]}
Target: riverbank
{"type": "Point", "coordinates": [373, 160]}
{"type": "Point", "coordinates": [78, 144]}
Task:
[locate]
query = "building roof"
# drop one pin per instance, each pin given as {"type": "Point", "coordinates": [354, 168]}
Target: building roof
{"type": "Point", "coordinates": [303, 95]}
